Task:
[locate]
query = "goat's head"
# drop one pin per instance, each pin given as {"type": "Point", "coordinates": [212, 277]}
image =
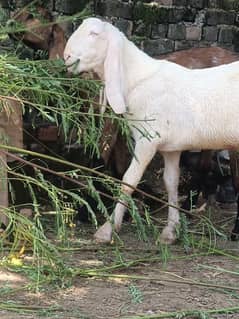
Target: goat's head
{"type": "Point", "coordinates": [97, 46]}
{"type": "Point", "coordinates": [40, 31]}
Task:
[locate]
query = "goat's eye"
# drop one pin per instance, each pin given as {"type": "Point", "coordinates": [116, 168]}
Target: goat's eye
{"type": "Point", "coordinates": [93, 33]}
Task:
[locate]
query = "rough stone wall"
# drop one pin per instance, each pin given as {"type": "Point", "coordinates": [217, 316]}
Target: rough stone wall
{"type": "Point", "coordinates": [57, 7]}
{"type": "Point", "coordinates": [163, 26]}
{"type": "Point", "coordinates": [158, 26]}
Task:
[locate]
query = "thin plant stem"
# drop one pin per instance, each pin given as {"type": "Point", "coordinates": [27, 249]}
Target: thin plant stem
{"type": "Point", "coordinates": [90, 170]}
{"type": "Point", "coordinates": [159, 280]}
{"type": "Point", "coordinates": [185, 313]}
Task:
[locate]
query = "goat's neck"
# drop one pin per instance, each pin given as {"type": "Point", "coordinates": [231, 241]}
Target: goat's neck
{"type": "Point", "coordinates": [137, 66]}
{"type": "Point", "coordinates": [99, 70]}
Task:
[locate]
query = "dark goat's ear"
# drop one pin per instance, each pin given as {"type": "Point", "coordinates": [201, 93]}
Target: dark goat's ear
{"type": "Point", "coordinates": [57, 42]}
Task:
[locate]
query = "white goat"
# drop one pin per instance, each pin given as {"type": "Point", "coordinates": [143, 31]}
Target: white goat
{"type": "Point", "coordinates": [180, 109]}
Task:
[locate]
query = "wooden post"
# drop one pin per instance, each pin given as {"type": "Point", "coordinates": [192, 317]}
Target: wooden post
{"type": "Point", "coordinates": [3, 188]}
{"type": "Point", "coordinates": [10, 134]}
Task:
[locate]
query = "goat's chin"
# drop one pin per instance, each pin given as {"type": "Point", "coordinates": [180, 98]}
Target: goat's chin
{"type": "Point", "coordinates": [77, 70]}
{"type": "Point", "coordinates": [73, 70]}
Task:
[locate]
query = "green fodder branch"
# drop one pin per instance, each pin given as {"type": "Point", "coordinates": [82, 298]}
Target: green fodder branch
{"type": "Point", "coordinates": [91, 171]}
{"type": "Point", "coordinates": [27, 233]}
{"type": "Point", "coordinates": [44, 90]}
{"type": "Point", "coordinates": [162, 281]}
{"type": "Point", "coordinates": [20, 308]}
{"type": "Point", "coordinates": [95, 172]}
{"type": "Point", "coordinates": [186, 313]}
{"type": "Point", "coordinates": [106, 179]}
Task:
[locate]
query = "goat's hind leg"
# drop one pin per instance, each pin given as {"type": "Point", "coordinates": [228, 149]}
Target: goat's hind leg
{"type": "Point", "coordinates": [143, 154]}
{"type": "Point", "coordinates": [171, 180]}
{"type": "Point", "coordinates": [235, 231]}
{"type": "Point", "coordinates": [234, 163]}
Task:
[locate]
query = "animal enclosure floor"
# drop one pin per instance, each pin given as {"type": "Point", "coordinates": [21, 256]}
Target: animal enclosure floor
{"type": "Point", "coordinates": [163, 287]}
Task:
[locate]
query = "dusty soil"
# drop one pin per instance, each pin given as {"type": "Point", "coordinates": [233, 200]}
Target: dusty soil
{"type": "Point", "coordinates": [107, 298]}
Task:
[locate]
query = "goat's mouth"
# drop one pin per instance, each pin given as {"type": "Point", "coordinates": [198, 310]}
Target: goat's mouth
{"type": "Point", "coordinates": [73, 66]}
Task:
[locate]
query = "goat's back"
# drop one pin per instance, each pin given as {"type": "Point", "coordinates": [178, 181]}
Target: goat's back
{"type": "Point", "coordinates": [189, 109]}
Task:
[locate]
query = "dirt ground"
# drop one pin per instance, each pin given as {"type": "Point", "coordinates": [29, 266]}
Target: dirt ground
{"type": "Point", "coordinates": [163, 287]}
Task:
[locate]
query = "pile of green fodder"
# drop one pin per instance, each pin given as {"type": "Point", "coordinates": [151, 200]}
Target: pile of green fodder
{"type": "Point", "coordinates": [45, 89]}
{"type": "Point", "coordinates": [44, 86]}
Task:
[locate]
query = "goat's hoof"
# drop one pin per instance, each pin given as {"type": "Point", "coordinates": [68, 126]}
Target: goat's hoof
{"type": "Point", "coordinates": [234, 236]}
{"type": "Point", "coordinates": [104, 234]}
{"type": "Point", "coordinates": [168, 236]}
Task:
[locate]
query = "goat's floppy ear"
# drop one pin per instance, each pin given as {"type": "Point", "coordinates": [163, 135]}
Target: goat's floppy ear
{"type": "Point", "coordinates": [113, 71]}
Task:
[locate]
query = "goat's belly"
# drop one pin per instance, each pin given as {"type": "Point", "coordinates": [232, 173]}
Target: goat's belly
{"type": "Point", "coordinates": [210, 139]}
{"type": "Point", "coordinates": [215, 145]}
{"type": "Point", "coordinates": [186, 136]}
{"type": "Point", "coordinates": [171, 147]}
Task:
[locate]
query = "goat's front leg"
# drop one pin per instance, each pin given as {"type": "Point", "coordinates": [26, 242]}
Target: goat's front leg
{"type": "Point", "coordinates": [143, 154]}
{"type": "Point", "coordinates": [171, 180]}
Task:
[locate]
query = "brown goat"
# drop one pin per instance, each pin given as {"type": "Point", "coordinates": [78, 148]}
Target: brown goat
{"type": "Point", "coordinates": [200, 58]}
{"type": "Point", "coordinates": [41, 32]}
